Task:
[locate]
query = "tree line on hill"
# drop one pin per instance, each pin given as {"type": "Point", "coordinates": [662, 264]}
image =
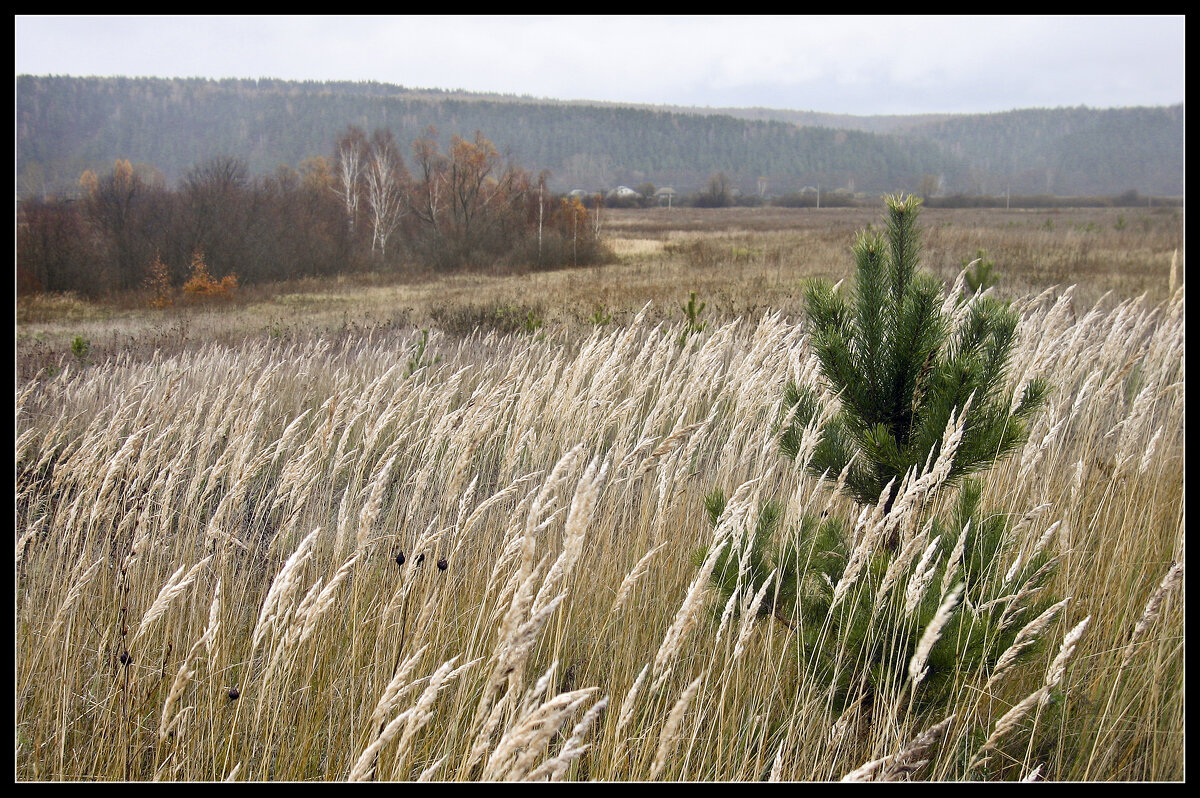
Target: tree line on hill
{"type": "Point", "coordinates": [66, 125]}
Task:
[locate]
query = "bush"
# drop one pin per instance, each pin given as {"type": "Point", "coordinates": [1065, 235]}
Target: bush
{"type": "Point", "coordinates": [903, 366]}
{"type": "Point", "coordinates": [158, 283]}
{"type": "Point", "coordinates": [504, 318]}
{"type": "Point", "coordinates": [201, 284]}
{"type": "Point", "coordinates": [922, 402]}
{"type": "Point", "coordinates": [80, 347]}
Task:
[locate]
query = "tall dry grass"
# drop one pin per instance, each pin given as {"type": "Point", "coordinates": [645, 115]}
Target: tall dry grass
{"type": "Point", "coordinates": [290, 561]}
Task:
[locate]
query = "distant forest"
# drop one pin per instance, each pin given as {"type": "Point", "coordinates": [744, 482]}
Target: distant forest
{"type": "Point", "coordinates": [67, 125]}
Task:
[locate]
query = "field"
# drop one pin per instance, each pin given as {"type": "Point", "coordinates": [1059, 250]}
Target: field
{"type": "Point", "coordinates": [293, 537]}
{"type": "Point", "coordinates": [741, 261]}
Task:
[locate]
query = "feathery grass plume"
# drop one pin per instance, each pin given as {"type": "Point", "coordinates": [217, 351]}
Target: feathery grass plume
{"type": "Point", "coordinates": [631, 579]}
{"type": "Point", "coordinates": [669, 736]}
{"type": "Point", "coordinates": [427, 773]}
{"type": "Point", "coordinates": [922, 576]}
{"type": "Point", "coordinates": [1170, 581]}
{"type": "Point", "coordinates": [900, 564]}
{"type": "Point", "coordinates": [209, 638]}
{"type": "Point", "coordinates": [776, 773]}
{"type": "Point", "coordinates": [116, 465]}
{"type": "Point", "coordinates": [749, 611]}
{"type": "Point", "coordinates": [511, 658]}
{"type": "Point", "coordinates": [625, 715]}
{"type": "Point", "coordinates": [670, 444]}
{"type": "Point", "coordinates": [282, 588]}
{"type": "Point", "coordinates": [528, 736]}
{"type": "Point", "coordinates": [1149, 452]}
{"type": "Point", "coordinates": [343, 521]}
{"type": "Point", "coordinates": [486, 728]}
{"type": "Point", "coordinates": [170, 719]}
{"type": "Point", "coordinates": [23, 541]}
{"type": "Point", "coordinates": [370, 509]}
{"type": "Point", "coordinates": [1046, 537]}
{"type": "Point", "coordinates": [736, 594]}
{"type": "Point", "coordinates": [493, 500]}
{"type": "Point", "coordinates": [522, 621]}
{"type": "Point", "coordinates": [308, 618]}
{"type": "Point", "coordinates": [464, 501]}
{"type": "Point", "coordinates": [554, 768]}
{"type": "Point", "coordinates": [685, 617]}
{"type": "Point", "coordinates": [1031, 584]}
{"type": "Point", "coordinates": [583, 505]}
{"type": "Point", "coordinates": [916, 665]}
{"type": "Point", "coordinates": [423, 709]}
{"type": "Point", "coordinates": [176, 584]}
{"type": "Point", "coordinates": [1039, 697]}
{"type": "Point", "coordinates": [1035, 774]}
{"type": "Point", "coordinates": [364, 766]}
{"type": "Point", "coordinates": [542, 501]}
{"type": "Point", "coordinates": [397, 687]}
{"type": "Point", "coordinates": [1058, 668]}
{"type": "Point", "coordinates": [873, 520]}
{"type": "Point", "coordinates": [411, 720]}
{"type": "Point", "coordinates": [896, 767]}
{"type": "Point", "coordinates": [1024, 639]}
{"type": "Point", "coordinates": [1007, 722]}
{"type": "Point", "coordinates": [72, 596]}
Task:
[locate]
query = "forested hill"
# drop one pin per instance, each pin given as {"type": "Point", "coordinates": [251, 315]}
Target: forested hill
{"type": "Point", "coordinates": [66, 125]}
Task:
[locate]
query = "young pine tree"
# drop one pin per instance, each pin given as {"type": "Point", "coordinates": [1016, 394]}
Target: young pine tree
{"type": "Point", "coordinates": [901, 360]}
{"type": "Point", "coordinates": [900, 365]}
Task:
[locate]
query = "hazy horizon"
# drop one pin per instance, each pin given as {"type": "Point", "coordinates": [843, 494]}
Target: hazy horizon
{"type": "Point", "coordinates": [850, 65]}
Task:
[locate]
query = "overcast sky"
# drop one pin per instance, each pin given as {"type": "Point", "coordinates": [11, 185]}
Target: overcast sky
{"type": "Point", "coordinates": [842, 64]}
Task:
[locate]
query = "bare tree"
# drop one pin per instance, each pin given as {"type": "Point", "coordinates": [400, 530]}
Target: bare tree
{"type": "Point", "coordinates": [385, 182]}
{"type": "Point", "coordinates": [352, 152]}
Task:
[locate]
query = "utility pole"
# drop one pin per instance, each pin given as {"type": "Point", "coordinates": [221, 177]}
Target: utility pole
{"type": "Point", "coordinates": [541, 185]}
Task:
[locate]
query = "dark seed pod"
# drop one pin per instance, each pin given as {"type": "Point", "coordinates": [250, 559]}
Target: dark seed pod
{"type": "Point", "coordinates": [442, 564]}
{"type": "Point", "coordinates": [399, 559]}
{"type": "Point", "coordinates": [125, 659]}
{"type": "Point", "coordinates": [233, 694]}
{"type": "Point", "coordinates": [420, 559]}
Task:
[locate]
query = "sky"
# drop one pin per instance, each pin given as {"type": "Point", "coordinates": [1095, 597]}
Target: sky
{"type": "Point", "coordinates": [863, 65]}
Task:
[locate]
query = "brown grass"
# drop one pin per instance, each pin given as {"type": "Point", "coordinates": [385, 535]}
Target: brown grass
{"type": "Point", "coordinates": [224, 518]}
{"type": "Point", "coordinates": [742, 262]}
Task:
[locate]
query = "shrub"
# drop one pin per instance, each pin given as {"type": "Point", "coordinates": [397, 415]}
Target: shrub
{"type": "Point", "coordinates": [201, 284]}
{"type": "Point", "coordinates": [922, 402]}
{"type": "Point", "coordinates": [601, 316]}
{"type": "Point", "coordinates": [158, 283]}
{"type": "Point", "coordinates": [903, 361]}
{"type": "Point", "coordinates": [80, 347]}
{"type": "Point", "coordinates": [504, 318]}
{"type": "Point", "coordinates": [693, 324]}
{"type": "Point", "coordinates": [418, 359]}
{"type": "Point", "coordinates": [867, 640]}
{"type": "Point", "coordinates": [979, 275]}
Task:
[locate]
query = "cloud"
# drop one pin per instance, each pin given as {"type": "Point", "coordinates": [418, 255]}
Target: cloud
{"type": "Point", "coordinates": [848, 64]}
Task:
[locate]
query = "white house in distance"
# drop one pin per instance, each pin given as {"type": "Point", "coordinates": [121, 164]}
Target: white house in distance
{"type": "Point", "coordinates": [623, 192]}
{"type": "Point", "coordinates": [665, 195]}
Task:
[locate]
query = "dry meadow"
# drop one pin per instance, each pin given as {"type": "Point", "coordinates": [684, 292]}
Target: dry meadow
{"type": "Point", "coordinates": [293, 538]}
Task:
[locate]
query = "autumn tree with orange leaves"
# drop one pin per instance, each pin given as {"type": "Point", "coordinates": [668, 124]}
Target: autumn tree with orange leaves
{"type": "Point", "coordinates": [471, 207]}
